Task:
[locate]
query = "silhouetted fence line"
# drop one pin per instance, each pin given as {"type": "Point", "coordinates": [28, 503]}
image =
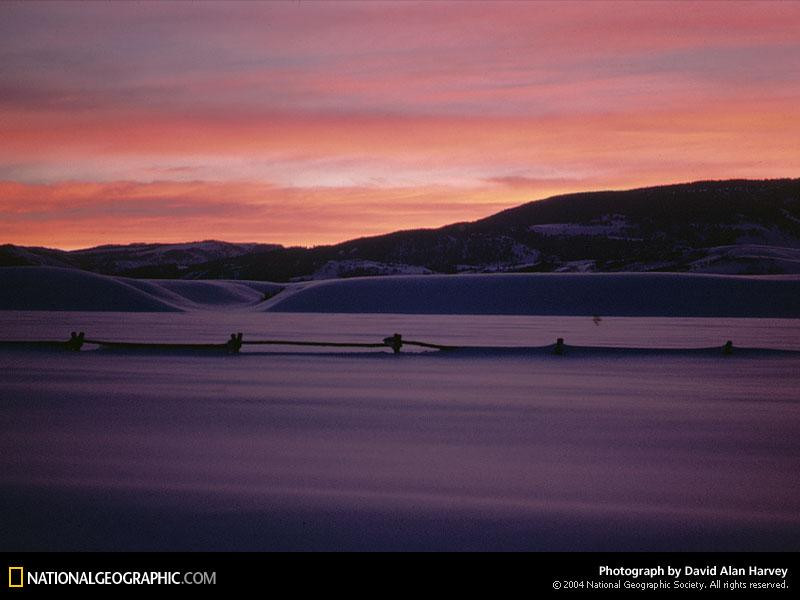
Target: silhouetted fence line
{"type": "Point", "coordinates": [232, 346]}
{"type": "Point", "coordinates": [394, 342]}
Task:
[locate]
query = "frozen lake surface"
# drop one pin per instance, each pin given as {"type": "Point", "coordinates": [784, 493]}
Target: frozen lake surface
{"type": "Point", "coordinates": [277, 450]}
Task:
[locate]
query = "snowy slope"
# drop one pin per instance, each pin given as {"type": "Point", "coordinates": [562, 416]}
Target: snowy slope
{"type": "Point", "coordinates": [748, 258]}
{"type": "Point", "coordinates": [138, 256]}
{"type": "Point", "coordinates": [608, 294]}
{"type": "Point", "coordinates": [620, 294]}
{"type": "Point", "coordinates": [50, 288]}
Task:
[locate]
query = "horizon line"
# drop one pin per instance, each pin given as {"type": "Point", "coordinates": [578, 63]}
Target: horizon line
{"type": "Point", "coordinates": [390, 232]}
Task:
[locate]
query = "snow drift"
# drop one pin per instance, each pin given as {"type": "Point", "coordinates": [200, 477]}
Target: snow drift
{"type": "Point", "coordinates": [50, 288]}
{"type": "Point", "coordinates": [617, 294]}
{"type": "Point", "coordinates": [607, 294]}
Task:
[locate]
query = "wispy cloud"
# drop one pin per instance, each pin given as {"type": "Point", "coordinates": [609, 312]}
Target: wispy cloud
{"type": "Point", "coordinates": [488, 100]}
{"type": "Point", "coordinates": [64, 214]}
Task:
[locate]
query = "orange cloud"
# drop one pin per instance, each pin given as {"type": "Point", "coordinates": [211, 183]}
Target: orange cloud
{"type": "Point", "coordinates": [737, 133]}
{"type": "Point", "coordinates": [314, 122]}
{"type": "Point", "coordinates": [76, 214]}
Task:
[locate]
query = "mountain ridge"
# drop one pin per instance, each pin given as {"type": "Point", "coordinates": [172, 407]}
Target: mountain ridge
{"type": "Point", "coordinates": [737, 226]}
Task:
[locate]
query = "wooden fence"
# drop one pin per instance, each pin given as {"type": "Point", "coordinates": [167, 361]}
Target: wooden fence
{"type": "Point", "coordinates": [232, 346]}
{"type": "Point", "coordinates": [394, 342]}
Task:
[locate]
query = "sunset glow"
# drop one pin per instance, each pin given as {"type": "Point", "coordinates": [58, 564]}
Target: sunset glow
{"type": "Point", "coordinates": [315, 122]}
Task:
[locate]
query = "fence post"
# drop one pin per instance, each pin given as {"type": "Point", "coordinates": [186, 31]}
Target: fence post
{"type": "Point", "coordinates": [235, 343]}
{"type": "Point", "coordinates": [395, 342]}
{"type": "Point", "coordinates": [75, 341]}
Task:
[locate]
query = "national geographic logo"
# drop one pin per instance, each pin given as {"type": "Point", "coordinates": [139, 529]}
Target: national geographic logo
{"type": "Point", "coordinates": [16, 577]}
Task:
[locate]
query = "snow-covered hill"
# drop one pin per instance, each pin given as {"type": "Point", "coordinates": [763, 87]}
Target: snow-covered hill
{"type": "Point", "coordinates": [606, 294]}
{"type": "Point", "coordinates": [736, 226]}
{"type": "Point", "coordinates": [49, 288]}
{"type": "Point", "coordinates": [135, 260]}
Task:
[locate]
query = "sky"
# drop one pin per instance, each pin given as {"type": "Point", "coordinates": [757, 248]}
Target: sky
{"type": "Point", "coordinates": [307, 123]}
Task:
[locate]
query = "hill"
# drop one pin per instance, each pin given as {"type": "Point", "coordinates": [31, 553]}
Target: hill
{"type": "Point", "coordinates": [733, 227]}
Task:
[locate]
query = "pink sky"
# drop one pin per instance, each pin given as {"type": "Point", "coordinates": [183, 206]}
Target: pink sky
{"type": "Point", "coordinates": [315, 122]}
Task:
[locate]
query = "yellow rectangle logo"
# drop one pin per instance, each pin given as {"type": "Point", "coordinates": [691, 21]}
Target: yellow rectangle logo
{"type": "Point", "coordinates": [20, 579]}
